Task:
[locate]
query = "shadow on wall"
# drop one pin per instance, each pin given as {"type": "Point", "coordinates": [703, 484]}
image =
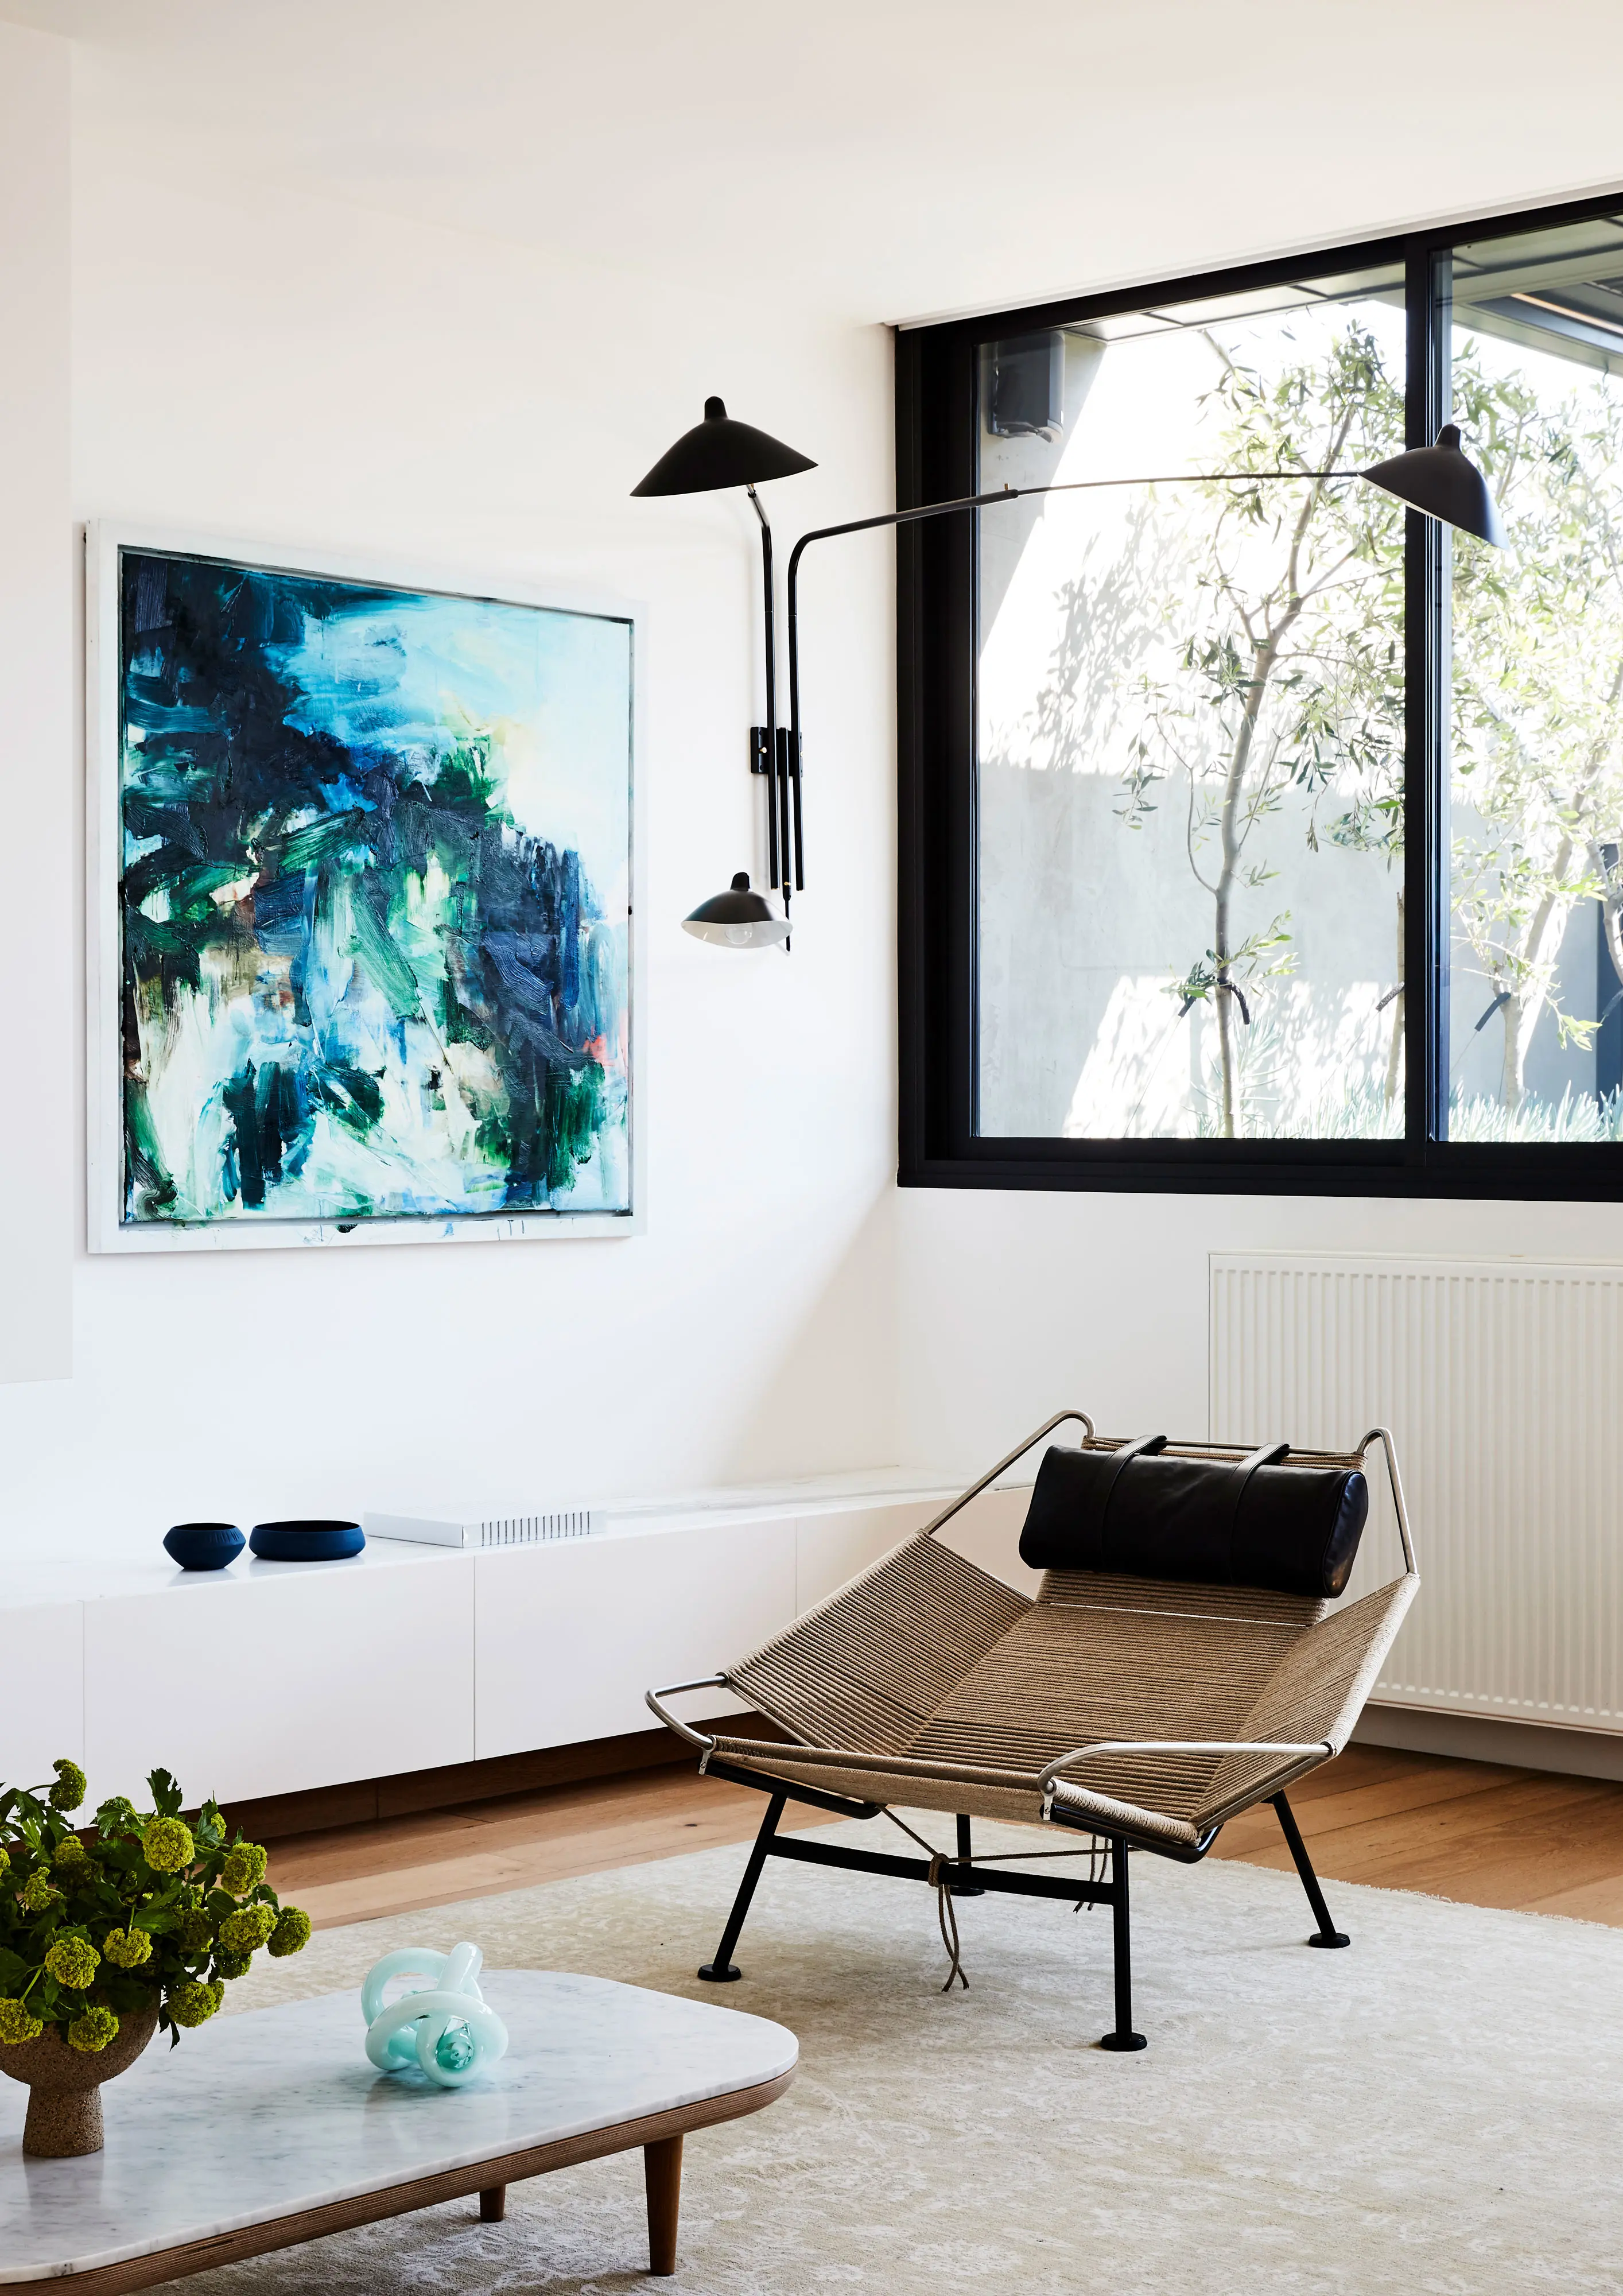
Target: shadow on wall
{"type": "Point", "coordinates": [828, 1402]}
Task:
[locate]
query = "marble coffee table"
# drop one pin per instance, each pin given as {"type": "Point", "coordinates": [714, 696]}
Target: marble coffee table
{"type": "Point", "coordinates": [271, 2128]}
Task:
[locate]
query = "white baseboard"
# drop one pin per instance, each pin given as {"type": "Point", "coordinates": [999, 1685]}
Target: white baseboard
{"type": "Point", "coordinates": [1482, 1738]}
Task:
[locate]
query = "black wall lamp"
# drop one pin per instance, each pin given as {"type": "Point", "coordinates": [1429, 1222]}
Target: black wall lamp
{"type": "Point", "coordinates": [1440, 480]}
{"type": "Point", "coordinates": [717, 453]}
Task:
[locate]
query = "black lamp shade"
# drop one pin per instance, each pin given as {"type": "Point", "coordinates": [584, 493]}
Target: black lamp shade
{"type": "Point", "coordinates": [1444, 483]}
{"type": "Point", "coordinates": [738, 919]}
{"type": "Point", "coordinates": [721, 452]}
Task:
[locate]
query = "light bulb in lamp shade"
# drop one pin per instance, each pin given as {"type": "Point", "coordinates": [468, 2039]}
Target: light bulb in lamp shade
{"type": "Point", "coordinates": [739, 918]}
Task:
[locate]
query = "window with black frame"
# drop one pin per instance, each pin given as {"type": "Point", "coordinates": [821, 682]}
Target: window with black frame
{"type": "Point", "coordinates": [1255, 831]}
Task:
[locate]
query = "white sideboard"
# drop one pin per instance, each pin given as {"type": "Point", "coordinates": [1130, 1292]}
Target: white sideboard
{"type": "Point", "coordinates": [277, 1677]}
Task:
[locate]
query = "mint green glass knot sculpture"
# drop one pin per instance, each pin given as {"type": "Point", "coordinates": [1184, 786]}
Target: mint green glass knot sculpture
{"type": "Point", "coordinates": [444, 2026]}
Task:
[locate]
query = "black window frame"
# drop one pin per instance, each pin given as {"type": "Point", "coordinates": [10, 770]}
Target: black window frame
{"type": "Point", "coordinates": [936, 417]}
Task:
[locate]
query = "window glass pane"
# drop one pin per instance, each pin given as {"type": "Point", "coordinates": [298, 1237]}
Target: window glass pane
{"type": "Point", "coordinates": [1190, 723]}
{"type": "Point", "coordinates": [1535, 749]}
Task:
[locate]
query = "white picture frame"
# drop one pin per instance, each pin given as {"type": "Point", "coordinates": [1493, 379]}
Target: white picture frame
{"type": "Point", "coordinates": [108, 1229]}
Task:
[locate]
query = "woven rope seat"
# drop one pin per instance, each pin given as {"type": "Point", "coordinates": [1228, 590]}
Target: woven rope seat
{"type": "Point", "coordinates": [1186, 1656]}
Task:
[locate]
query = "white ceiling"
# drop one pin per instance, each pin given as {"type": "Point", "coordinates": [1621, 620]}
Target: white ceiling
{"type": "Point", "coordinates": [876, 159]}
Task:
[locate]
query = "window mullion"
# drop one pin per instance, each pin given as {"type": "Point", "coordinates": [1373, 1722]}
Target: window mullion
{"type": "Point", "coordinates": [1426, 573]}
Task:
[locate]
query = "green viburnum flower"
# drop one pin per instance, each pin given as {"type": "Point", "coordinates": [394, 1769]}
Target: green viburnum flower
{"type": "Point", "coordinates": [36, 1893]}
{"type": "Point", "coordinates": [167, 1845]}
{"type": "Point", "coordinates": [192, 2004]}
{"type": "Point", "coordinates": [68, 1792]}
{"type": "Point", "coordinates": [126, 1948]}
{"type": "Point", "coordinates": [292, 1933]}
{"type": "Point", "coordinates": [93, 2031]}
{"type": "Point", "coordinates": [69, 1852]}
{"type": "Point", "coordinates": [195, 1932]}
{"type": "Point", "coordinates": [5, 1862]}
{"type": "Point", "coordinates": [243, 1869]}
{"type": "Point", "coordinates": [245, 1932]}
{"type": "Point", "coordinates": [72, 1961]}
{"type": "Point", "coordinates": [16, 2024]}
{"type": "Point", "coordinates": [232, 1964]}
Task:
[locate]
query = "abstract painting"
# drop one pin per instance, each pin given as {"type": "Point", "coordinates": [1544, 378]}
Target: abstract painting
{"type": "Point", "coordinates": [373, 903]}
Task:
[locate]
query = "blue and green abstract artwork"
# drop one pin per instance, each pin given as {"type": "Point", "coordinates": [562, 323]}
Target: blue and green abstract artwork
{"type": "Point", "coordinates": [374, 901]}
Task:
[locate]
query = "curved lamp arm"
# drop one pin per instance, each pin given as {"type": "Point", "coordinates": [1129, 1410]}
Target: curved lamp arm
{"type": "Point", "coordinates": [942, 510]}
{"type": "Point", "coordinates": [773, 870]}
{"type": "Point", "coordinates": [1439, 480]}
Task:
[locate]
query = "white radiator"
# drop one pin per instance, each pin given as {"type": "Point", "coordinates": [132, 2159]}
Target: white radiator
{"type": "Point", "coordinates": [1502, 1382]}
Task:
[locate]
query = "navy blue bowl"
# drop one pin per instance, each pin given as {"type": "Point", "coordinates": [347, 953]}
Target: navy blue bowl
{"type": "Point", "coordinates": [306, 1542]}
{"type": "Point", "coordinates": [203, 1545]}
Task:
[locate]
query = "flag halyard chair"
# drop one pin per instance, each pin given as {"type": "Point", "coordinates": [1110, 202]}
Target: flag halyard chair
{"type": "Point", "coordinates": [1184, 1659]}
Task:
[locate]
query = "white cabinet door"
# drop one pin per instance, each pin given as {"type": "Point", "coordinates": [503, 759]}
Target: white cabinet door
{"type": "Point", "coordinates": [42, 1691]}
{"type": "Point", "coordinates": [280, 1677]}
{"type": "Point", "coordinates": [834, 1546]}
{"type": "Point", "coordinates": [567, 1638]}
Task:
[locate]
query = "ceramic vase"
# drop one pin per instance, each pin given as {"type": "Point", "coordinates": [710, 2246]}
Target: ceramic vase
{"type": "Point", "coordinates": [65, 2085]}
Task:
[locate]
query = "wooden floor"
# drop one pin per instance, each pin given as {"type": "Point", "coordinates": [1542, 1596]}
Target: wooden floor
{"type": "Point", "coordinates": [1487, 1836]}
{"type": "Point", "coordinates": [1463, 1830]}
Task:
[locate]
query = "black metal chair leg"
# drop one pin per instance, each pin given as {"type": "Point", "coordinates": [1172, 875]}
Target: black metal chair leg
{"type": "Point", "coordinates": [721, 1970]}
{"type": "Point", "coordinates": [965, 1889]}
{"type": "Point", "coordinates": [1327, 1934]}
{"type": "Point", "coordinates": [1122, 2037]}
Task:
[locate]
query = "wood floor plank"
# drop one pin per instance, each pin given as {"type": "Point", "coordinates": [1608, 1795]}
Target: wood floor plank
{"type": "Point", "coordinates": [392, 1866]}
{"type": "Point", "coordinates": [1594, 1901]}
{"type": "Point", "coordinates": [1484, 1835]}
{"type": "Point", "coordinates": [1370, 1766]}
{"type": "Point", "coordinates": [1423, 1832]}
{"type": "Point", "coordinates": [388, 1843]}
{"type": "Point", "coordinates": [1349, 1801]}
{"type": "Point", "coordinates": [1509, 1866]}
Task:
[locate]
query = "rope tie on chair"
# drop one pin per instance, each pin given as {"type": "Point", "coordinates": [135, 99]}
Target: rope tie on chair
{"type": "Point", "coordinates": [946, 1913]}
{"type": "Point", "coordinates": [1098, 1857]}
{"type": "Point", "coordinates": [1096, 1853]}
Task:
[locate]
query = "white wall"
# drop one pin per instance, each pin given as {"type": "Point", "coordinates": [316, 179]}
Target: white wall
{"type": "Point", "coordinates": [266, 341]}
{"type": "Point", "coordinates": [37, 1069]}
{"type": "Point", "coordinates": [261, 363]}
{"type": "Point", "coordinates": [1015, 1306]}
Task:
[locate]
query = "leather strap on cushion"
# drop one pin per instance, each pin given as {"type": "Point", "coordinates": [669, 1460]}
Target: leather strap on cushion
{"type": "Point", "coordinates": [1268, 1455]}
{"type": "Point", "coordinates": [1140, 1446]}
{"type": "Point", "coordinates": [1064, 1526]}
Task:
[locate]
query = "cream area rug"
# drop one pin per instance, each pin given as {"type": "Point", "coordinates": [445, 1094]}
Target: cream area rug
{"type": "Point", "coordinates": [1435, 2110]}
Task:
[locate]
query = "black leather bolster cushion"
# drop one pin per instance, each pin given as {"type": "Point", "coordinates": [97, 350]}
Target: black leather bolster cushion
{"type": "Point", "coordinates": [1293, 1529]}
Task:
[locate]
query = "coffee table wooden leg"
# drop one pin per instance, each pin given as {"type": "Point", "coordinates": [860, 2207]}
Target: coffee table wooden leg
{"type": "Point", "coordinates": [662, 2171]}
{"type": "Point", "coordinates": [492, 2204]}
